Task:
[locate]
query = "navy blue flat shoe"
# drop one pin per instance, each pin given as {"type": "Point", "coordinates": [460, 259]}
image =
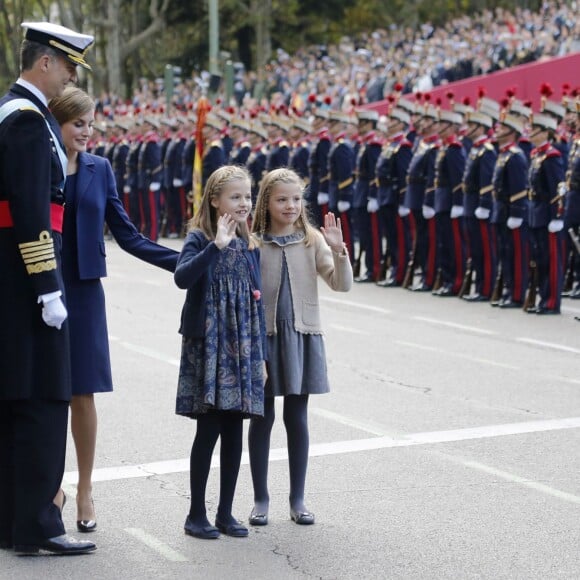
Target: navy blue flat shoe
{"type": "Point", "coordinates": [235, 530]}
{"type": "Point", "coordinates": [208, 532]}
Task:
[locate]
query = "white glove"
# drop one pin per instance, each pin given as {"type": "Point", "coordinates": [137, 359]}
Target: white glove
{"type": "Point", "coordinates": [456, 211]}
{"type": "Point", "coordinates": [127, 189]}
{"type": "Point", "coordinates": [322, 198]}
{"type": "Point", "coordinates": [562, 189]}
{"type": "Point", "coordinates": [404, 211]}
{"type": "Point", "coordinates": [513, 223]}
{"type": "Point", "coordinates": [482, 213]}
{"type": "Point", "coordinates": [53, 311]}
{"type": "Point", "coordinates": [428, 212]}
{"type": "Point", "coordinates": [154, 186]}
{"type": "Point", "coordinates": [177, 182]}
{"type": "Point", "coordinates": [343, 206]}
{"type": "Point", "coordinates": [555, 226]}
{"type": "Point", "coordinates": [372, 205]}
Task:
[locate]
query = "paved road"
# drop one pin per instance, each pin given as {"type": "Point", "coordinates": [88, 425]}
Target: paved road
{"type": "Point", "coordinates": [448, 448]}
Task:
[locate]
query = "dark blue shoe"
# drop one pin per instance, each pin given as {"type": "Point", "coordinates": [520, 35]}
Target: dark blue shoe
{"type": "Point", "coordinates": [233, 529]}
{"type": "Point", "coordinates": [207, 532]}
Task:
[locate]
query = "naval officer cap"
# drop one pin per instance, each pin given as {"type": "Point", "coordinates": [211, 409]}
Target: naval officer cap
{"type": "Point", "coordinates": [73, 45]}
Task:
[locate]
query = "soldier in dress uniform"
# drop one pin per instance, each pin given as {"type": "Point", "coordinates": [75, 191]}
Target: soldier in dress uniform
{"type": "Point", "coordinates": [477, 200]}
{"type": "Point", "coordinates": [509, 215]}
{"type": "Point", "coordinates": [420, 181]}
{"type": "Point", "coordinates": [448, 205]}
{"type": "Point", "coordinates": [225, 137]}
{"type": "Point", "coordinates": [365, 204]}
{"type": "Point", "coordinates": [132, 172]}
{"type": "Point", "coordinates": [119, 162]}
{"type": "Point", "coordinates": [35, 381]}
{"type": "Point", "coordinates": [571, 189]}
{"type": "Point", "coordinates": [318, 167]}
{"type": "Point", "coordinates": [149, 176]}
{"type": "Point", "coordinates": [279, 151]}
{"type": "Point", "coordinates": [300, 129]}
{"type": "Point", "coordinates": [523, 113]}
{"type": "Point", "coordinates": [173, 180]}
{"type": "Point", "coordinates": [391, 175]}
{"type": "Point", "coordinates": [241, 147]}
{"type": "Point", "coordinates": [257, 160]}
{"type": "Point", "coordinates": [557, 112]}
{"type": "Point", "coordinates": [546, 215]}
{"type": "Point", "coordinates": [100, 142]}
{"type": "Point", "coordinates": [188, 156]}
{"type": "Point", "coordinates": [214, 155]}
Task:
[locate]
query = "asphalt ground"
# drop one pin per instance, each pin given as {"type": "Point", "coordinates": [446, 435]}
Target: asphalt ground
{"type": "Point", "coordinates": [447, 449]}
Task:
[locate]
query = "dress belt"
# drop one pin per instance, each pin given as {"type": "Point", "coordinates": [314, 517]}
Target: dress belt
{"type": "Point", "coordinates": [56, 216]}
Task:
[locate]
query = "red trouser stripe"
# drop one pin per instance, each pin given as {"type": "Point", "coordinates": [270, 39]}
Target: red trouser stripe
{"type": "Point", "coordinates": [554, 266]}
{"type": "Point", "coordinates": [517, 295]}
{"type": "Point", "coordinates": [486, 248]}
{"type": "Point", "coordinates": [403, 251]}
{"type": "Point", "coordinates": [458, 255]}
{"type": "Point", "coordinates": [376, 245]}
{"type": "Point", "coordinates": [345, 231]}
{"type": "Point", "coordinates": [431, 251]}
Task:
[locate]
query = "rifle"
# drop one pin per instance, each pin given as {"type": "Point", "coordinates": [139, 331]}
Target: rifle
{"type": "Point", "coordinates": [467, 279]}
{"type": "Point", "coordinates": [410, 271]}
{"type": "Point", "coordinates": [530, 299]}
{"type": "Point", "coordinates": [575, 239]}
{"type": "Point", "coordinates": [498, 286]}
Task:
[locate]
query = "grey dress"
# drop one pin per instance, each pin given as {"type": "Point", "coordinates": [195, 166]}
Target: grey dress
{"type": "Point", "coordinates": [296, 361]}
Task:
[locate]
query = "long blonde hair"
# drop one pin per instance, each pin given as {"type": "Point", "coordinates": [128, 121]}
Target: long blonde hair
{"type": "Point", "coordinates": [206, 216]}
{"type": "Point", "coordinates": [262, 223]}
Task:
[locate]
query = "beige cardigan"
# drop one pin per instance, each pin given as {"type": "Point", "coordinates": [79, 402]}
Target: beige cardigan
{"type": "Point", "coordinates": [304, 263]}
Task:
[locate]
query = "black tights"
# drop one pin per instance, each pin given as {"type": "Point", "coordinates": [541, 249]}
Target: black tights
{"type": "Point", "coordinates": [296, 423]}
{"type": "Point", "coordinates": [209, 427]}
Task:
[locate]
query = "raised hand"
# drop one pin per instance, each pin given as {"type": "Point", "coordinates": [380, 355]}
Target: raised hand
{"type": "Point", "coordinates": [226, 231]}
{"type": "Point", "coordinates": [332, 232]}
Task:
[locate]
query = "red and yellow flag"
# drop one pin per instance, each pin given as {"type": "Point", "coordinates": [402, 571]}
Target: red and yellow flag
{"type": "Point", "coordinates": [203, 107]}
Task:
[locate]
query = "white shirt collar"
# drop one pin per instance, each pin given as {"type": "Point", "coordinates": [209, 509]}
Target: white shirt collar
{"type": "Point", "coordinates": [34, 90]}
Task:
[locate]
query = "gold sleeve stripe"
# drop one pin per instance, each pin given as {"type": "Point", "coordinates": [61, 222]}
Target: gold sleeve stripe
{"type": "Point", "coordinates": [38, 256]}
{"type": "Point", "coordinates": [41, 267]}
{"type": "Point", "coordinates": [457, 187]}
{"type": "Point", "coordinates": [325, 178]}
{"type": "Point", "coordinates": [519, 195]}
{"type": "Point", "coordinates": [345, 183]}
{"type": "Point", "coordinates": [485, 189]}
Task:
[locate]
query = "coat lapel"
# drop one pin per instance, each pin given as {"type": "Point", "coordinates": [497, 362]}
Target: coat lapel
{"type": "Point", "coordinates": [86, 172]}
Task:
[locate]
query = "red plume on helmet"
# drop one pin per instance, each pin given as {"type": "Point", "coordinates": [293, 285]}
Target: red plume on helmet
{"type": "Point", "coordinates": [481, 92]}
{"type": "Point", "coordinates": [546, 90]}
{"type": "Point", "coordinates": [327, 100]}
{"type": "Point", "coordinates": [419, 96]}
{"type": "Point", "coordinates": [398, 87]}
{"type": "Point", "coordinates": [312, 98]}
{"type": "Point", "coordinates": [466, 101]}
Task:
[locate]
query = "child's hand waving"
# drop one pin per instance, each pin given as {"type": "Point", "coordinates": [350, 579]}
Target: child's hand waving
{"type": "Point", "coordinates": [226, 231]}
{"type": "Point", "coordinates": [332, 232]}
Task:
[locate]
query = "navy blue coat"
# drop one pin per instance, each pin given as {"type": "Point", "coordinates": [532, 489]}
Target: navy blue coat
{"type": "Point", "coordinates": [510, 186]}
{"type": "Point", "coordinates": [194, 272]}
{"type": "Point", "coordinates": [98, 203]}
{"type": "Point", "coordinates": [391, 171]}
{"type": "Point", "coordinates": [477, 177]}
{"type": "Point", "coordinates": [572, 202]}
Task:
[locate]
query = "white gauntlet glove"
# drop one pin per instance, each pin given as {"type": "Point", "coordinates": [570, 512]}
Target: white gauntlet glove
{"type": "Point", "coordinates": [343, 206]}
{"type": "Point", "coordinates": [372, 205]}
{"type": "Point", "coordinates": [126, 189]}
{"type": "Point", "coordinates": [53, 311]}
{"type": "Point", "coordinates": [177, 182]}
{"type": "Point", "coordinates": [404, 211]}
{"type": "Point", "coordinates": [513, 223]}
{"type": "Point", "coordinates": [322, 198]}
{"type": "Point", "coordinates": [456, 211]}
{"type": "Point", "coordinates": [155, 186]}
{"type": "Point", "coordinates": [482, 213]}
{"type": "Point", "coordinates": [555, 226]}
{"type": "Point", "coordinates": [428, 212]}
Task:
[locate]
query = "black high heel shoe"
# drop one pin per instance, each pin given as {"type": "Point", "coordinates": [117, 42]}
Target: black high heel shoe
{"type": "Point", "coordinates": [87, 526]}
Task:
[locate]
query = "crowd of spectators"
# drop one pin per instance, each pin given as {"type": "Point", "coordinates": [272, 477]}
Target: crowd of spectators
{"type": "Point", "coordinates": [367, 68]}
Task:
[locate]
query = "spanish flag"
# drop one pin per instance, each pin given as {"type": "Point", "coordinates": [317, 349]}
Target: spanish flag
{"type": "Point", "coordinates": [203, 107]}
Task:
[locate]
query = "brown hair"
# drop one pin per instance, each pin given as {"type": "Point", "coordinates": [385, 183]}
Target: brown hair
{"type": "Point", "coordinates": [72, 104]}
{"type": "Point", "coordinates": [261, 223]}
{"type": "Point", "coordinates": [206, 216]}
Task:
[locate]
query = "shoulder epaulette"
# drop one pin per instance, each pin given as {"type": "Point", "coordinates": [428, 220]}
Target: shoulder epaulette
{"type": "Point", "coordinates": [406, 143]}
{"type": "Point", "coordinates": [553, 153]}
{"type": "Point", "coordinates": [489, 146]}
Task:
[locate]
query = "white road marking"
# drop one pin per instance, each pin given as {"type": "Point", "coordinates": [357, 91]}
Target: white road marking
{"type": "Point", "coordinates": [339, 447]}
{"type": "Point", "coordinates": [457, 354]}
{"type": "Point", "coordinates": [354, 304]}
{"type": "Point", "coordinates": [552, 345]}
{"type": "Point", "coordinates": [349, 329]}
{"type": "Point", "coordinates": [150, 353]}
{"type": "Point", "coordinates": [360, 425]}
{"type": "Point", "coordinates": [563, 495]}
{"type": "Point", "coordinates": [157, 545]}
{"type": "Point", "coordinates": [454, 325]}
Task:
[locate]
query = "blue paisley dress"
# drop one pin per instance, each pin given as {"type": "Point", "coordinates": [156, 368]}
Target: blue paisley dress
{"type": "Point", "coordinates": [224, 370]}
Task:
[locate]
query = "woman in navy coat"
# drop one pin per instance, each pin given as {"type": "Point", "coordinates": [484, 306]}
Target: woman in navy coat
{"type": "Point", "coordinates": [91, 202]}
